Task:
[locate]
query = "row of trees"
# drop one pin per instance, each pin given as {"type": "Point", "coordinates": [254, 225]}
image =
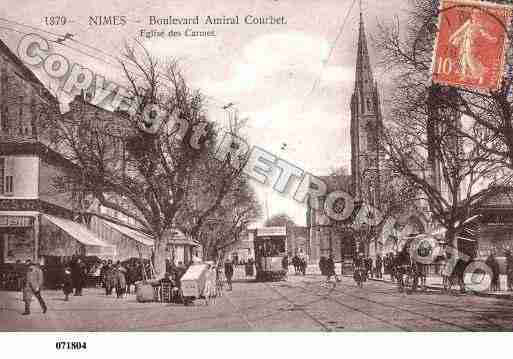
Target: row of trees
{"type": "Point", "coordinates": [164, 179]}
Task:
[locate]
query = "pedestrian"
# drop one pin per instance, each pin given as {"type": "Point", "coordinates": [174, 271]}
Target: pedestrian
{"type": "Point", "coordinates": [32, 287]}
{"type": "Point", "coordinates": [285, 263]}
{"type": "Point", "coordinates": [249, 268]}
{"type": "Point", "coordinates": [67, 283]}
{"type": "Point", "coordinates": [295, 263]}
{"type": "Point", "coordinates": [459, 273]}
{"type": "Point", "coordinates": [368, 266]}
{"type": "Point", "coordinates": [110, 278]}
{"type": "Point", "coordinates": [102, 273]}
{"type": "Point", "coordinates": [391, 266]}
{"type": "Point", "coordinates": [446, 271]}
{"type": "Point", "coordinates": [422, 271]}
{"type": "Point", "coordinates": [359, 271]}
{"type": "Point", "coordinates": [322, 265]}
{"type": "Point", "coordinates": [228, 273]}
{"type": "Point", "coordinates": [132, 276]}
{"type": "Point", "coordinates": [78, 275]}
{"type": "Point", "coordinates": [379, 266]}
{"type": "Point", "coordinates": [97, 274]}
{"type": "Point", "coordinates": [120, 280]}
{"type": "Point", "coordinates": [302, 264]}
{"type": "Point", "coordinates": [492, 263]}
{"type": "Point", "coordinates": [509, 269]}
{"type": "Point", "coordinates": [330, 269]}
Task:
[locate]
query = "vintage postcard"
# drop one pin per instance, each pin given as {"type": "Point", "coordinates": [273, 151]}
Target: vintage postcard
{"type": "Point", "coordinates": [255, 166]}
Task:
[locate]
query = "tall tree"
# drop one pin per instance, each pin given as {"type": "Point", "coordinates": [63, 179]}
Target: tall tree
{"type": "Point", "coordinates": [223, 225]}
{"type": "Point", "coordinates": [144, 165]}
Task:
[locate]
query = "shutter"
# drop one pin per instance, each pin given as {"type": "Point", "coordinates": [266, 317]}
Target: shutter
{"type": "Point", "coordinates": [9, 175]}
{"type": "Point", "coordinates": [2, 175]}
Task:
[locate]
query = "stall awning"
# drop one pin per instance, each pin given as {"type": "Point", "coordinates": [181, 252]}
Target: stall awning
{"type": "Point", "coordinates": [176, 237]}
{"type": "Point", "coordinates": [78, 231]}
{"type": "Point", "coordinates": [131, 233]}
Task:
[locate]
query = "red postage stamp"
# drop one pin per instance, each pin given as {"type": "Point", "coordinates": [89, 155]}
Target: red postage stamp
{"type": "Point", "coordinates": [471, 44]}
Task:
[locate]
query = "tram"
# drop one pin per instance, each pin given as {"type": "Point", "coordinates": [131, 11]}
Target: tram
{"type": "Point", "coordinates": [270, 253]}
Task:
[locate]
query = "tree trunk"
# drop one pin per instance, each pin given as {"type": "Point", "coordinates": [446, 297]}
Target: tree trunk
{"type": "Point", "coordinates": [450, 238]}
{"type": "Point", "coordinates": [159, 260]}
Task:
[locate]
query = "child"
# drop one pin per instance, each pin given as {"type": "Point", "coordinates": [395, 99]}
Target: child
{"type": "Point", "coordinates": [67, 283]}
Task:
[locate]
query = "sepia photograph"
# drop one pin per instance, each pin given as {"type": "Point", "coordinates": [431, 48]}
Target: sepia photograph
{"type": "Point", "coordinates": [304, 166]}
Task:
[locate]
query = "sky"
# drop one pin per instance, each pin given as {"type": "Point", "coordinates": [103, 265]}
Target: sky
{"type": "Point", "coordinates": [267, 71]}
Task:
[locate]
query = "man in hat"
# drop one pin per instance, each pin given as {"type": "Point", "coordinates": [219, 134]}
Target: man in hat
{"type": "Point", "coordinates": [33, 285]}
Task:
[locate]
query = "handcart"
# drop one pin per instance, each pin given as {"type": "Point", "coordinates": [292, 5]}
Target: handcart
{"type": "Point", "coordinates": [193, 282]}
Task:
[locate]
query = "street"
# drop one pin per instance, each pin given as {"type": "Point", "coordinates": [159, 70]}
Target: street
{"type": "Point", "coordinates": [299, 304]}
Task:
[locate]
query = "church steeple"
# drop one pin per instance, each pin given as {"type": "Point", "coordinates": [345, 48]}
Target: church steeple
{"type": "Point", "coordinates": [364, 80]}
{"type": "Point", "coordinates": [365, 125]}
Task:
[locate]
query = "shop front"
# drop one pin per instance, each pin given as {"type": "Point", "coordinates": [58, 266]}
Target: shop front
{"type": "Point", "coordinates": [18, 237]}
{"type": "Point", "coordinates": [496, 232]}
{"type": "Point", "coordinates": [50, 240]}
{"type": "Point", "coordinates": [496, 224]}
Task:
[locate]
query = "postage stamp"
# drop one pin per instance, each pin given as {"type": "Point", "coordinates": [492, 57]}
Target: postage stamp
{"type": "Point", "coordinates": [471, 44]}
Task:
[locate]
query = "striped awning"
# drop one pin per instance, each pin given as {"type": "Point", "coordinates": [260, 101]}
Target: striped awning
{"type": "Point", "coordinates": [138, 236]}
{"type": "Point", "coordinates": [93, 244]}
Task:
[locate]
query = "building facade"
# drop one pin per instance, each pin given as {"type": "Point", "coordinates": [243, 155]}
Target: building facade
{"type": "Point", "coordinates": [36, 219]}
{"type": "Point", "coordinates": [25, 103]}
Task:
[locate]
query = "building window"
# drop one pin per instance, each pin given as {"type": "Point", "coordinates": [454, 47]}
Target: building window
{"type": "Point", "coordinates": [5, 115]}
{"type": "Point", "coordinates": [6, 178]}
{"type": "Point", "coordinates": [2, 174]}
{"type": "Point", "coordinates": [9, 185]}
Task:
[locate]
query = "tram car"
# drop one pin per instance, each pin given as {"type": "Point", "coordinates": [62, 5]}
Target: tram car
{"type": "Point", "coordinates": [271, 253]}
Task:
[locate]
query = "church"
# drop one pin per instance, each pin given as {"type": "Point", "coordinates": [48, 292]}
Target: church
{"type": "Point", "coordinates": [364, 182]}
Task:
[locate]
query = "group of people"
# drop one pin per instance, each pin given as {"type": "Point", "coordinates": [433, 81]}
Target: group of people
{"type": "Point", "coordinates": [114, 276]}
{"type": "Point", "coordinates": [111, 276]}
{"type": "Point", "coordinates": [493, 264]}
{"type": "Point", "coordinates": [300, 264]}
{"type": "Point", "coordinates": [363, 268]}
{"type": "Point", "coordinates": [327, 267]}
{"type": "Point", "coordinates": [371, 268]}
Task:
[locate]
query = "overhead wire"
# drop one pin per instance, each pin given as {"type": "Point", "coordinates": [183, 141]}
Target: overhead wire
{"type": "Point", "coordinates": [118, 65]}
{"type": "Point", "coordinates": [332, 48]}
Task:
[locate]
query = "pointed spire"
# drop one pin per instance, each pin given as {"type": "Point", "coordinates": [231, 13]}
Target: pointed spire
{"type": "Point", "coordinates": [364, 78]}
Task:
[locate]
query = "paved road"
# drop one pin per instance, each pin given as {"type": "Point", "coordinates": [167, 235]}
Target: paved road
{"type": "Point", "coordinates": [299, 304]}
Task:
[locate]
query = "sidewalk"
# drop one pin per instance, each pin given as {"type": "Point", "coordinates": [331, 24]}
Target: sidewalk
{"type": "Point", "coordinates": [432, 282]}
